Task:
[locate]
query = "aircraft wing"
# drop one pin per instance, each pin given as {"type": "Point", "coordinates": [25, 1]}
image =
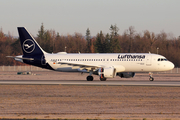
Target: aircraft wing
{"type": "Point", "coordinates": [119, 68]}
{"type": "Point", "coordinates": [82, 65]}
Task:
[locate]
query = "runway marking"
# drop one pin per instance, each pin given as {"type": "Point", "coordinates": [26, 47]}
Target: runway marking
{"type": "Point", "coordinates": [80, 82]}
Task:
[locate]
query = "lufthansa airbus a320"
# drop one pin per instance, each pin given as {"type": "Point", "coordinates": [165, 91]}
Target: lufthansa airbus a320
{"type": "Point", "coordinates": [106, 66]}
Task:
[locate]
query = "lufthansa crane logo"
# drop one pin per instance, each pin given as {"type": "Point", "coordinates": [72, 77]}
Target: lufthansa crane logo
{"type": "Point", "coordinates": [28, 46]}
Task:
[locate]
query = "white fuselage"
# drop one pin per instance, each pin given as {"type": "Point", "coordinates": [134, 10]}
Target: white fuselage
{"type": "Point", "coordinates": [122, 62]}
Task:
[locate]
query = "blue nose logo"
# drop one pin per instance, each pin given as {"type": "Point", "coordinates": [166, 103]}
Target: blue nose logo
{"type": "Point", "coordinates": [28, 46]}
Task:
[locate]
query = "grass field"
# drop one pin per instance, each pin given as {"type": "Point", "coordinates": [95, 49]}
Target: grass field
{"type": "Point", "coordinates": [88, 102]}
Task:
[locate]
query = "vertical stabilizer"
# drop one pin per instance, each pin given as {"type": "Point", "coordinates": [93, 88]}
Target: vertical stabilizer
{"type": "Point", "coordinates": [28, 44]}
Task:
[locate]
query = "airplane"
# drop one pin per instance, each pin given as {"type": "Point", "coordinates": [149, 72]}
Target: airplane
{"type": "Point", "coordinates": [107, 65]}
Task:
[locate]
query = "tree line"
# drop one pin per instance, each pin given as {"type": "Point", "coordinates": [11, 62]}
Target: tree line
{"type": "Point", "coordinates": [129, 42]}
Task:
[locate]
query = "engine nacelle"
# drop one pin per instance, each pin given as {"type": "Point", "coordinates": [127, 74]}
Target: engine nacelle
{"type": "Point", "coordinates": [126, 74]}
{"type": "Point", "coordinates": [107, 72]}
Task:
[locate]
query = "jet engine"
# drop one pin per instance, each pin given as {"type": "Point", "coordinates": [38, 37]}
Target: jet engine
{"type": "Point", "coordinates": [126, 74]}
{"type": "Point", "coordinates": [109, 72]}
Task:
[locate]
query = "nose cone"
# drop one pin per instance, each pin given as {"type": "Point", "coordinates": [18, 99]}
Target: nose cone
{"type": "Point", "coordinates": [170, 65]}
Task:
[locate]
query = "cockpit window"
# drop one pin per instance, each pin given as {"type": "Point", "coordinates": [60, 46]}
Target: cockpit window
{"type": "Point", "coordinates": [162, 59]}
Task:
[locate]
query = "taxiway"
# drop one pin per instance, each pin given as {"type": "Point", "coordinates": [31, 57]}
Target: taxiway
{"type": "Point", "coordinates": [80, 82]}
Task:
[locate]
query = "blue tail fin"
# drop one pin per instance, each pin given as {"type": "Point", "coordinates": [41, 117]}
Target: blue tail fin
{"type": "Point", "coordinates": [33, 54]}
{"type": "Point", "coordinates": [28, 44]}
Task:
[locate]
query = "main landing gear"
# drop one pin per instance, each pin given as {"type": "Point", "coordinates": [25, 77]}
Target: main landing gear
{"type": "Point", "coordinates": [102, 79]}
{"type": "Point", "coordinates": [151, 77]}
{"type": "Point", "coordinates": [90, 77]}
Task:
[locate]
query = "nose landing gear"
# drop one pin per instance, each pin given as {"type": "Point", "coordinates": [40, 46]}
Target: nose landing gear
{"type": "Point", "coordinates": [151, 77]}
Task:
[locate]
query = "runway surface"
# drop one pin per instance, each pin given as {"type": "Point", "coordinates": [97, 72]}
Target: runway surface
{"type": "Point", "coordinates": [81, 82]}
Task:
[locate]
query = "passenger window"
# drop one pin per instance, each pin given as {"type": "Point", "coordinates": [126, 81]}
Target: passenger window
{"type": "Point", "coordinates": [159, 59]}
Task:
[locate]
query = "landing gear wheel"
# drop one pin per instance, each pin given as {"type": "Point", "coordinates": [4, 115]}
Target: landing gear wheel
{"type": "Point", "coordinates": [151, 79]}
{"type": "Point", "coordinates": [89, 78]}
{"type": "Point", "coordinates": [102, 79]}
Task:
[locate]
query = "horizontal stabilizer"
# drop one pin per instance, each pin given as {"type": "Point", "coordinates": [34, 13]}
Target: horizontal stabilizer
{"type": "Point", "coordinates": [20, 58]}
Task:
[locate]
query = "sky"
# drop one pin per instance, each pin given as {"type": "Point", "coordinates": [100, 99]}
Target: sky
{"type": "Point", "coordinates": [70, 16]}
